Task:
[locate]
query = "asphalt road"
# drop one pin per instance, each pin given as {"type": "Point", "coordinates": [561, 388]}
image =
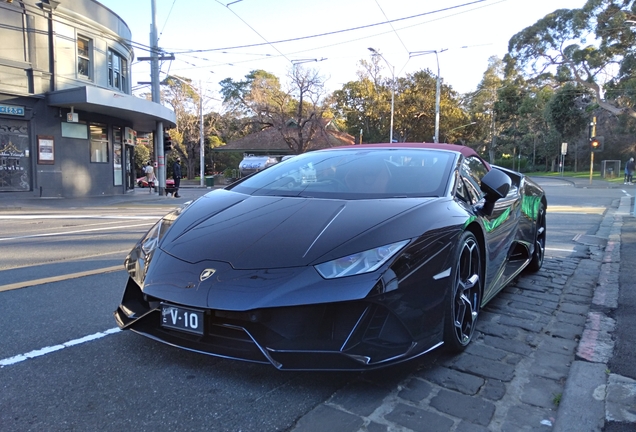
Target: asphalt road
{"type": "Point", "coordinates": [66, 367]}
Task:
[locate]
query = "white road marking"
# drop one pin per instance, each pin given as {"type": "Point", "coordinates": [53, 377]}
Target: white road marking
{"type": "Point", "coordinates": [576, 209]}
{"type": "Point", "coordinates": [47, 350]}
{"type": "Point", "coordinates": [74, 232]}
{"type": "Point", "coordinates": [29, 217]}
{"type": "Point", "coordinates": [52, 279]}
{"type": "Point", "coordinates": [560, 250]}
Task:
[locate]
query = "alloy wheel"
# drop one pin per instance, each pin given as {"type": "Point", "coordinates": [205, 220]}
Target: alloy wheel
{"type": "Point", "coordinates": [467, 292]}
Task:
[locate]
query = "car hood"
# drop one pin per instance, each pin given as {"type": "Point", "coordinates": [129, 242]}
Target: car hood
{"type": "Point", "coordinates": [258, 232]}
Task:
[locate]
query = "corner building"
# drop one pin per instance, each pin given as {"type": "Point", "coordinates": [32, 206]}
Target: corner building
{"type": "Point", "coordinates": [68, 119]}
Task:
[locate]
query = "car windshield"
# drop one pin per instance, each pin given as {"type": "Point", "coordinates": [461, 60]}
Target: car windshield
{"type": "Point", "coordinates": [355, 174]}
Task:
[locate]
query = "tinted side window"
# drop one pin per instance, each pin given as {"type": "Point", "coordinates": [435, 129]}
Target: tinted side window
{"type": "Point", "coordinates": [473, 170]}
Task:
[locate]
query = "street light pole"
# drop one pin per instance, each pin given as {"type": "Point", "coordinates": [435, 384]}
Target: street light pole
{"type": "Point", "coordinates": [437, 98]}
{"type": "Point", "coordinates": [201, 125]}
{"type": "Point", "coordinates": [437, 87]}
{"type": "Point", "coordinates": [375, 52]}
{"type": "Point", "coordinates": [201, 139]}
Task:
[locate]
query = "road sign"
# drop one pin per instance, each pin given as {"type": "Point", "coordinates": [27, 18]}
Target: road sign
{"type": "Point", "coordinates": [564, 148]}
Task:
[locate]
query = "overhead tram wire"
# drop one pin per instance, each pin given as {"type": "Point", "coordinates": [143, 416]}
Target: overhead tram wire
{"type": "Point", "coordinates": [166, 21]}
{"type": "Point", "coordinates": [391, 24]}
{"type": "Point", "coordinates": [329, 33]}
{"type": "Point", "coordinates": [252, 28]}
{"type": "Point", "coordinates": [270, 56]}
{"type": "Point", "coordinates": [217, 63]}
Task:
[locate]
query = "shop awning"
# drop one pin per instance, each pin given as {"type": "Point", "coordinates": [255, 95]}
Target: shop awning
{"type": "Point", "coordinates": [141, 112]}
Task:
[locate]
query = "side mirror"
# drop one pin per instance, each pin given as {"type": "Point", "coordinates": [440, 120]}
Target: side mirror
{"type": "Point", "coordinates": [495, 185]}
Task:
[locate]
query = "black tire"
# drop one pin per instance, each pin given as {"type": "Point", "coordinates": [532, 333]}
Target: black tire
{"type": "Point", "coordinates": [465, 295]}
{"type": "Point", "coordinates": [539, 242]}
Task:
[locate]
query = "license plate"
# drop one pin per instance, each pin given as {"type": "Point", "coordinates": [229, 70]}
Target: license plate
{"type": "Point", "coordinates": [180, 318]}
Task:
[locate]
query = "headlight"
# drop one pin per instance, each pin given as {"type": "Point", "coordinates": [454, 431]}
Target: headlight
{"type": "Point", "coordinates": [152, 238]}
{"type": "Point", "coordinates": [139, 258]}
{"type": "Point", "coordinates": [362, 262]}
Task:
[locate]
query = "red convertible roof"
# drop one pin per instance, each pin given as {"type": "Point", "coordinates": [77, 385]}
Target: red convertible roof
{"type": "Point", "coordinates": [464, 150]}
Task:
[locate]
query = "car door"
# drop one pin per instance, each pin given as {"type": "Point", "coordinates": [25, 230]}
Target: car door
{"type": "Point", "coordinates": [499, 228]}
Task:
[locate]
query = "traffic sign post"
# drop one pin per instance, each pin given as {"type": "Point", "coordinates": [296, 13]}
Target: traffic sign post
{"type": "Point", "coordinates": [592, 146]}
{"type": "Point", "coordinates": [564, 151]}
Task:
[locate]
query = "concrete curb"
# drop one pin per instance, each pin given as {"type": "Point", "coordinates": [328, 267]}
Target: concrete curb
{"type": "Point", "coordinates": [582, 406]}
{"type": "Point", "coordinates": [585, 404]}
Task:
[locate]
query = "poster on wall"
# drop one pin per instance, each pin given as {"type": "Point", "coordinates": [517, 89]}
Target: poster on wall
{"type": "Point", "coordinates": [46, 153]}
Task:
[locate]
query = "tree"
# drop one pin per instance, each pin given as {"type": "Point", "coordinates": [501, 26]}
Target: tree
{"type": "Point", "coordinates": [360, 106]}
{"type": "Point", "coordinates": [185, 101]}
{"type": "Point", "coordinates": [557, 44]}
{"type": "Point", "coordinates": [567, 111]}
{"type": "Point", "coordinates": [297, 113]}
{"type": "Point", "coordinates": [536, 131]}
{"type": "Point", "coordinates": [365, 105]}
{"type": "Point", "coordinates": [482, 106]}
{"type": "Point", "coordinates": [308, 88]}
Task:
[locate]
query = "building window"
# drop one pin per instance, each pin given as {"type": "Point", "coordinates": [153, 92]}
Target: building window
{"type": "Point", "coordinates": [117, 157]}
{"type": "Point", "coordinates": [84, 57]}
{"type": "Point", "coordinates": [99, 143]}
{"type": "Point", "coordinates": [117, 71]}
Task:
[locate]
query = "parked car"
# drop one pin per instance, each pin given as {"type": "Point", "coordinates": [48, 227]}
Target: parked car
{"type": "Point", "coordinates": [391, 252]}
{"type": "Point", "coordinates": [251, 164]}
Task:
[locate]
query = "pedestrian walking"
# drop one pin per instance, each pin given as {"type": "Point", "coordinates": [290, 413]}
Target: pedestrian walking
{"type": "Point", "coordinates": [630, 166]}
{"type": "Point", "coordinates": [176, 175]}
{"type": "Point", "coordinates": [625, 179]}
{"type": "Point", "coordinates": [150, 176]}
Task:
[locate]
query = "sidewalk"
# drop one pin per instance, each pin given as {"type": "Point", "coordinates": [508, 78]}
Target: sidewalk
{"type": "Point", "coordinates": [585, 183]}
{"type": "Point", "coordinates": [137, 196]}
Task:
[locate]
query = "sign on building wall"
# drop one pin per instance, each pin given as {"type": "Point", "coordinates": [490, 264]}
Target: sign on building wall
{"type": "Point", "coordinates": [12, 110]}
{"type": "Point", "coordinates": [130, 136]}
{"type": "Point", "coordinates": [46, 150]}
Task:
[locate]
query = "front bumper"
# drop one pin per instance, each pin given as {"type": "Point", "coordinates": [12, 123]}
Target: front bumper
{"type": "Point", "coordinates": [353, 335]}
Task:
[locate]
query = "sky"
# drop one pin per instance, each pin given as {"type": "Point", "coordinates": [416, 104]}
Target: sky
{"type": "Point", "coordinates": [213, 40]}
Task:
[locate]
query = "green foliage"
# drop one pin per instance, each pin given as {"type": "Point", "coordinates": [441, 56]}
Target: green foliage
{"type": "Point", "coordinates": [558, 44]}
{"type": "Point", "coordinates": [142, 155]}
{"type": "Point", "coordinates": [365, 104]}
{"type": "Point", "coordinates": [517, 164]}
{"type": "Point", "coordinates": [260, 102]}
{"type": "Point", "coordinates": [567, 110]}
{"type": "Point", "coordinates": [224, 161]}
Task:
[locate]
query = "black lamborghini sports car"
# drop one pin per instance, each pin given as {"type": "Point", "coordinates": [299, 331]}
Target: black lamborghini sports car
{"type": "Point", "coordinates": [348, 258]}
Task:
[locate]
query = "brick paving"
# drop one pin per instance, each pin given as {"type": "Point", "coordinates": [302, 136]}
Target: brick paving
{"type": "Point", "coordinates": [510, 378]}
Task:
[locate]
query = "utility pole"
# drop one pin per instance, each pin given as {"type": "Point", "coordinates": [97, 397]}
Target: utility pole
{"type": "Point", "coordinates": [156, 98]}
{"type": "Point", "coordinates": [156, 95]}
